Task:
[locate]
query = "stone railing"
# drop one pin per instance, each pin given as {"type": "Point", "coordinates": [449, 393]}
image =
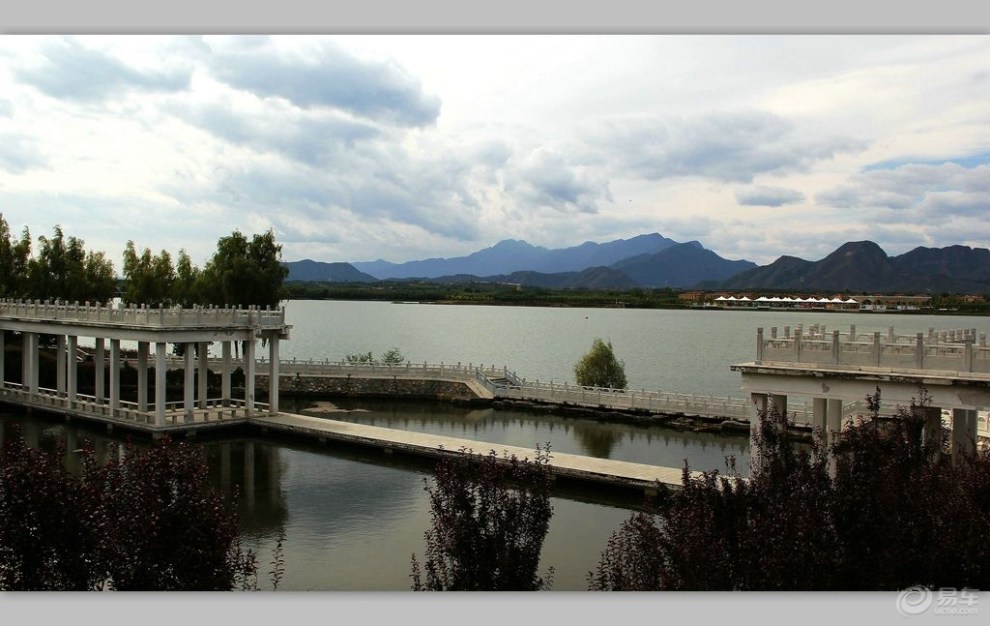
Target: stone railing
{"type": "Point", "coordinates": [131, 315]}
{"type": "Point", "coordinates": [961, 351]}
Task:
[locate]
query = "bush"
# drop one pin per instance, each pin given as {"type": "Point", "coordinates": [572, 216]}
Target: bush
{"type": "Point", "coordinates": [881, 509]}
{"type": "Point", "coordinates": [390, 357]}
{"type": "Point", "coordinates": [145, 520]}
{"type": "Point", "coordinates": [490, 516]}
{"type": "Point", "coordinates": [600, 368]}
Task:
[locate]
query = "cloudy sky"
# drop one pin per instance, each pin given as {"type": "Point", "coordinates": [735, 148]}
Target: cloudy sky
{"type": "Point", "coordinates": [354, 148]}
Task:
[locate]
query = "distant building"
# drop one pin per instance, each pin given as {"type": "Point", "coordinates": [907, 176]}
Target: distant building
{"type": "Point", "coordinates": [692, 297]}
{"type": "Point", "coordinates": [834, 303]}
{"type": "Point", "coordinates": [894, 303]}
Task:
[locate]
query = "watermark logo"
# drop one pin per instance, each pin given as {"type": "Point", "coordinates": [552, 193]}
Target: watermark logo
{"type": "Point", "coordinates": [946, 601]}
{"type": "Point", "coordinates": [914, 600]}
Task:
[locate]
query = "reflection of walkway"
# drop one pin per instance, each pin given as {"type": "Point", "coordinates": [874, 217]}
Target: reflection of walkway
{"type": "Point", "coordinates": [619, 473]}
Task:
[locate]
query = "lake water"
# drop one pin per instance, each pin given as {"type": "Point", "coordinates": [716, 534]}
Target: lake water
{"type": "Point", "coordinates": [353, 519]}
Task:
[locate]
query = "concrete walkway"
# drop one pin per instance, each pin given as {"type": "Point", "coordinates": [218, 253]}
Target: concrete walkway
{"type": "Point", "coordinates": [605, 471]}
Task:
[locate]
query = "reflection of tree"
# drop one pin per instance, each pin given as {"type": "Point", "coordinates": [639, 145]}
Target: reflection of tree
{"type": "Point", "coordinates": [596, 439]}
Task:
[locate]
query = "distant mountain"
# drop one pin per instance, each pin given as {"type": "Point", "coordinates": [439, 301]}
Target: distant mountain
{"type": "Point", "coordinates": [864, 267]}
{"type": "Point", "coordinates": [681, 265]}
{"type": "Point", "coordinates": [308, 269]}
{"type": "Point", "coordinates": [513, 255]}
{"type": "Point", "coordinates": [589, 278]}
{"type": "Point", "coordinates": [955, 269]}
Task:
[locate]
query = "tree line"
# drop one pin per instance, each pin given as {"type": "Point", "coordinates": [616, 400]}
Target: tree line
{"type": "Point", "coordinates": [241, 272]}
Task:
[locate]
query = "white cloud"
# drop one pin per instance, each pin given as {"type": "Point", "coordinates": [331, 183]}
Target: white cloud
{"type": "Point", "coordinates": [412, 146]}
{"type": "Point", "coordinates": [761, 195]}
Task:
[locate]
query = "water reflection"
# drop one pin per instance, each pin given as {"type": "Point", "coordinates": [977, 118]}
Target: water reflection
{"type": "Point", "coordinates": [353, 516]}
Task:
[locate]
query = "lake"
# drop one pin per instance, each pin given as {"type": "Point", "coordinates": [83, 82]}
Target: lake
{"type": "Point", "coordinates": [353, 519]}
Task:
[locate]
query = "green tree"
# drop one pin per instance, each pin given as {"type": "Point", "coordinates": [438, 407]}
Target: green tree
{"type": "Point", "coordinates": [62, 269]}
{"type": "Point", "coordinates": [244, 272]}
{"type": "Point", "coordinates": [188, 279]}
{"type": "Point", "coordinates": [149, 279]}
{"type": "Point", "coordinates": [600, 368]}
{"type": "Point", "coordinates": [14, 259]}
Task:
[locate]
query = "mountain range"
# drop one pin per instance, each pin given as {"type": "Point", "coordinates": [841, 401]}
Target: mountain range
{"type": "Point", "coordinates": [863, 266]}
{"type": "Point", "coordinates": [654, 261]}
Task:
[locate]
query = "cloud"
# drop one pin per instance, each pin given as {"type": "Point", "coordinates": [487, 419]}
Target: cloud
{"type": "Point", "coordinates": [71, 71]}
{"type": "Point", "coordinates": [328, 76]}
{"type": "Point", "coordinates": [19, 154]}
{"type": "Point", "coordinates": [544, 179]}
{"type": "Point", "coordinates": [928, 190]}
{"type": "Point", "coordinates": [309, 137]}
{"type": "Point", "coordinates": [725, 146]}
{"type": "Point", "coordinates": [768, 196]}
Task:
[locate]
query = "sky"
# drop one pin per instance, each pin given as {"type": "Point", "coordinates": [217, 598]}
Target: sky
{"type": "Point", "coordinates": [410, 146]}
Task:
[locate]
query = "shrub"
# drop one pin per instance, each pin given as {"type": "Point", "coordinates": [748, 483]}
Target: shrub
{"type": "Point", "coordinates": [143, 520]}
{"type": "Point", "coordinates": [881, 509]}
{"type": "Point", "coordinates": [490, 516]}
{"type": "Point", "coordinates": [600, 368]}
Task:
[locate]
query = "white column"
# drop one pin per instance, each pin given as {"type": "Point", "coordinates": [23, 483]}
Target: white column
{"type": "Point", "coordinates": [225, 375]}
{"type": "Point", "coordinates": [114, 375]}
{"type": "Point", "coordinates": [273, 375]}
{"type": "Point", "coordinates": [160, 369]}
{"type": "Point", "coordinates": [963, 433]}
{"type": "Point", "coordinates": [189, 383]}
{"type": "Point", "coordinates": [60, 371]}
{"type": "Point", "coordinates": [142, 376]}
{"type": "Point", "coordinates": [778, 404]}
{"type": "Point", "coordinates": [834, 421]}
{"type": "Point", "coordinates": [759, 407]}
{"type": "Point", "coordinates": [249, 375]}
{"type": "Point", "coordinates": [35, 363]}
{"type": "Point", "coordinates": [819, 410]}
{"type": "Point", "coordinates": [72, 373]}
{"type": "Point", "coordinates": [98, 365]}
{"type": "Point", "coordinates": [203, 373]}
{"type": "Point", "coordinates": [3, 358]}
{"type": "Point", "coordinates": [29, 362]}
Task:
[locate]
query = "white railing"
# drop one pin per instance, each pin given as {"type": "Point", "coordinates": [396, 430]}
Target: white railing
{"type": "Point", "coordinates": [453, 371]}
{"type": "Point", "coordinates": [160, 317]}
{"type": "Point", "coordinates": [127, 412]}
{"type": "Point", "coordinates": [958, 351]}
{"type": "Point", "coordinates": [505, 384]}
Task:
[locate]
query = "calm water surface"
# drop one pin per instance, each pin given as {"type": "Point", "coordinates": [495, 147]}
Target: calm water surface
{"type": "Point", "coordinates": [353, 519]}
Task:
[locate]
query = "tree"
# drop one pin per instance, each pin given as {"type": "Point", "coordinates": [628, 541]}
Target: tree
{"type": "Point", "coordinates": [244, 272]}
{"type": "Point", "coordinates": [62, 269]}
{"type": "Point", "coordinates": [149, 279]}
{"type": "Point", "coordinates": [490, 516]}
{"type": "Point", "coordinates": [14, 259]}
{"type": "Point", "coordinates": [144, 520]}
{"type": "Point", "coordinates": [600, 368]}
{"type": "Point", "coordinates": [880, 509]}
